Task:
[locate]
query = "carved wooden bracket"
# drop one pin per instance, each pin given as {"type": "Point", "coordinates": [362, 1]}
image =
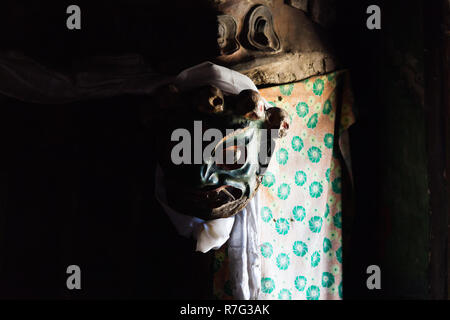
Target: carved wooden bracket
{"type": "Point", "coordinates": [227, 34]}
{"type": "Point", "coordinates": [260, 32]}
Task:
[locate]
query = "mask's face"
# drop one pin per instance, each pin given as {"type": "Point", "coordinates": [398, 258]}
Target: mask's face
{"type": "Point", "coordinates": [213, 154]}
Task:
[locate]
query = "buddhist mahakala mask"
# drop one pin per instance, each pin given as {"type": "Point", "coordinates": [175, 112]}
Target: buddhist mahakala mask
{"type": "Point", "coordinates": [270, 41]}
{"type": "Point", "coordinates": [214, 147]}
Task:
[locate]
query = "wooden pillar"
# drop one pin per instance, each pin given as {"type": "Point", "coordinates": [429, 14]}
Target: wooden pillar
{"type": "Point", "coordinates": [436, 145]}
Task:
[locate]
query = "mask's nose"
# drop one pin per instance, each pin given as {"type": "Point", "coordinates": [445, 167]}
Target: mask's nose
{"type": "Point", "coordinates": [208, 174]}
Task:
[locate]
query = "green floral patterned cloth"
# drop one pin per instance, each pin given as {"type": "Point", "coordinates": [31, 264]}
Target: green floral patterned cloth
{"type": "Point", "coordinates": [300, 196]}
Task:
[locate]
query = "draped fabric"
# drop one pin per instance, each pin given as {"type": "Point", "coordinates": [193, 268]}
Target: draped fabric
{"type": "Point", "coordinates": [300, 200]}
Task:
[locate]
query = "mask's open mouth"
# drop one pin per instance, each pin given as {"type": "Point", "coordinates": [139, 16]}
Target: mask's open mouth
{"type": "Point", "coordinates": [219, 196]}
{"type": "Point", "coordinates": [211, 197]}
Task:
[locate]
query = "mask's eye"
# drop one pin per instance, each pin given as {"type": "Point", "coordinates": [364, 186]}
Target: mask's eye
{"type": "Point", "coordinates": [231, 158]}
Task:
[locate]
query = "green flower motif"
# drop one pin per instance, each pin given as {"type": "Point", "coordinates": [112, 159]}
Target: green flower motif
{"type": "Point", "coordinates": [299, 213]}
{"type": "Point", "coordinates": [337, 219]}
{"type": "Point", "coordinates": [339, 255]}
{"type": "Point", "coordinates": [284, 294]}
{"type": "Point", "coordinates": [300, 178]}
{"type": "Point", "coordinates": [336, 185]}
{"type": "Point", "coordinates": [332, 115]}
{"type": "Point", "coordinates": [314, 154]}
{"type": "Point", "coordinates": [317, 106]}
{"type": "Point", "coordinates": [266, 214]}
{"type": "Point", "coordinates": [267, 285]}
{"type": "Point", "coordinates": [327, 174]}
{"type": "Point", "coordinates": [331, 76]}
{"type": "Point", "coordinates": [327, 210]}
{"type": "Point", "coordinates": [333, 235]}
{"type": "Point", "coordinates": [266, 250]}
{"type": "Point", "coordinates": [315, 259]}
{"type": "Point", "coordinates": [302, 109]}
{"type": "Point", "coordinates": [340, 290]}
{"type": "Point", "coordinates": [268, 179]}
{"type": "Point", "coordinates": [283, 191]}
{"type": "Point", "coordinates": [315, 224]}
{"type": "Point", "coordinates": [331, 199]}
{"type": "Point", "coordinates": [300, 248]}
{"type": "Point", "coordinates": [282, 226]}
{"type": "Point", "coordinates": [312, 122]}
{"type": "Point", "coordinates": [327, 107]}
{"type": "Point", "coordinates": [297, 143]}
{"type": "Point", "coordinates": [300, 283]}
{"type": "Point", "coordinates": [283, 261]}
{"type": "Point", "coordinates": [328, 140]}
{"type": "Point", "coordinates": [318, 87]}
{"type": "Point", "coordinates": [336, 270]}
{"type": "Point", "coordinates": [282, 156]}
{"type": "Point", "coordinates": [327, 279]}
{"type": "Point", "coordinates": [315, 189]}
{"type": "Point", "coordinates": [313, 293]}
{"type": "Point", "coordinates": [273, 104]}
{"type": "Point", "coordinates": [327, 245]}
{"type": "Point", "coordinates": [287, 89]}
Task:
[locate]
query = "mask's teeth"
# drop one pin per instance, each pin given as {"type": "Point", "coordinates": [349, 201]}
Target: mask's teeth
{"type": "Point", "coordinates": [229, 194]}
